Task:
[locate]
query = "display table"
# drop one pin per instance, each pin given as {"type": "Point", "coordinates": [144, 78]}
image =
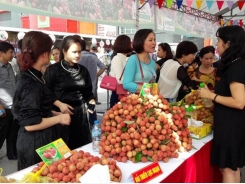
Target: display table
{"type": "Point", "coordinates": [196, 169]}
{"type": "Point", "coordinates": [193, 166]}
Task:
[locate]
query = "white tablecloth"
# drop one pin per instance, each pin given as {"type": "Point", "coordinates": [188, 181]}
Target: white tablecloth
{"type": "Point", "coordinates": [128, 168]}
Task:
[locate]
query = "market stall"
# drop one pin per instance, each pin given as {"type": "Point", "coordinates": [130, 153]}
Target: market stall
{"type": "Point", "coordinates": [191, 166]}
{"type": "Point", "coordinates": [140, 131]}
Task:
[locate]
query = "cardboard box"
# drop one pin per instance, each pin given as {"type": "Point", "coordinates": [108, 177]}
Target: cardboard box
{"type": "Point", "coordinates": [200, 132]}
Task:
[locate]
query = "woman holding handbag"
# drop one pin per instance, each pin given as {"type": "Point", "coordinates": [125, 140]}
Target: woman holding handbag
{"type": "Point", "coordinates": [140, 68]}
{"type": "Point", "coordinates": [122, 47]}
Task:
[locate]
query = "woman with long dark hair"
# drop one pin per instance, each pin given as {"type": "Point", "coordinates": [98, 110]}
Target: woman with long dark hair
{"type": "Point", "coordinates": [164, 52]}
{"type": "Point", "coordinates": [70, 83]}
{"type": "Point", "coordinates": [122, 47]}
{"type": "Point", "coordinates": [228, 150]}
{"type": "Point", "coordinates": [33, 101]}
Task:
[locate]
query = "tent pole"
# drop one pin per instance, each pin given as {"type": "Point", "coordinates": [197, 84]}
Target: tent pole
{"type": "Point", "coordinates": [137, 14]}
{"type": "Point", "coordinates": [155, 16]}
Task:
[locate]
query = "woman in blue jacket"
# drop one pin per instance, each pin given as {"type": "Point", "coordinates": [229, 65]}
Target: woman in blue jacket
{"type": "Point", "coordinates": [140, 68]}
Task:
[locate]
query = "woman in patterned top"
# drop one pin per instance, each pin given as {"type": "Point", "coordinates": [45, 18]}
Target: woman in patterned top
{"type": "Point", "coordinates": [206, 73]}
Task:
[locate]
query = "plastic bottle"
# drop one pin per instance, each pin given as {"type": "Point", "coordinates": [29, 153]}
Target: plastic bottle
{"type": "Point", "coordinates": [191, 111]}
{"type": "Point", "coordinates": [170, 100]}
{"type": "Point", "coordinates": [207, 102]}
{"type": "Point", "coordinates": [96, 134]}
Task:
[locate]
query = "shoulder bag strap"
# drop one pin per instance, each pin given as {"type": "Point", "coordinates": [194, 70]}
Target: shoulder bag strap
{"type": "Point", "coordinates": [141, 71]}
{"type": "Point", "coordinates": [122, 73]}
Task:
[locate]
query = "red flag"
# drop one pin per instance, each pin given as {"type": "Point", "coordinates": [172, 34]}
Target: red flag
{"type": "Point", "coordinates": [160, 3]}
{"type": "Point", "coordinates": [241, 22]}
{"type": "Point", "coordinates": [240, 4]}
{"type": "Point", "coordinates": [220, 4]}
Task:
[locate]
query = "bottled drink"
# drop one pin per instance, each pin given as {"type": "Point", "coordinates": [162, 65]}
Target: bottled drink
{"type": "Point", "coordinates": [96, 134]}
{"type": "Point", "coordinates": [1, 112]}
{"type": "Point", "coordinates": [191, 111]}
{"type": "Point", "coordinates": [207, 102]}
{"type": "Point", "coordinates": [170, 100]}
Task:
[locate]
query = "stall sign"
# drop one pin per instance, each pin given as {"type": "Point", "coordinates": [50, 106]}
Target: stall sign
{"type": "Point", "coordinates": [43, 21]}
{"type": "Point", "coordinates": [54, 151]}
{"type": "Point", "coordinates": [147, 173]}
{"type": "Point", "coordinates": [106, 30]}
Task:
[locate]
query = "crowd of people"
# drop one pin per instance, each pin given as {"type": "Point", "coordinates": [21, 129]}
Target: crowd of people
{"type": "Point", "coordinates": [47, 101]}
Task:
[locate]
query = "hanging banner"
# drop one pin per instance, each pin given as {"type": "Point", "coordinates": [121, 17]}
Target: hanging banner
{"type": "Point", "coordinates": [235, 22]}
{"type": "Point", "coordinates": [169, 3]}
{"type": "Point", "coordinates": [187, 23]}
{"type": "Point", "coordinates": [175, 22]}
{"type": "Point", "coordinates": [189, 2]}
{"type": "Point", "coordinates": [168, 24]}
{"type": "Point", "coordinates": [220, 4]}
{"type": "Point", "coordinates": [160, 19]}
{"type": "Point", "coordinates": [171, 14]}
{"type": "Point", "coordinates": [230, 4]}
{"type": "Point", "coordinates": [179, 3]}
{"type": "Point", "coordinates": [240, 4]}
{"type": "Point", "coordinates": [209, 4]}
{"type": "Point", "coordinates": [179, 20]}
{"type": "Point", "coordinates": [113, 12]}
{"type": "Point", "coordinates": [166, 19]}
{"type": "Point", "coordinates": [199, 4]}
{"type": "Point", "coordinates": [160, 3]}
{"type": "Point", "coordinates": [151, 2]}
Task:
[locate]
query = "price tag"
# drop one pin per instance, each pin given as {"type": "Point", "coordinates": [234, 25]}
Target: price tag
{"type": "Point", "coordinates": [54, 151]}
{"type": "Point", "coordinates": [147, 173]}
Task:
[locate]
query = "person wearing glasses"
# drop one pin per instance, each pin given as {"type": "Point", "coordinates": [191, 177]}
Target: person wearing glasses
{"type": "Point", "coordinates": [164, 52]}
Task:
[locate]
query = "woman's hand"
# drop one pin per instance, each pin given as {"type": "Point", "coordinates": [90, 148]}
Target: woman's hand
{"type": "Point", "coordinates": [65, 119]}
{"type": "Point", "coordinates": [139, 88]}
{"type": "Point", "coordinates": [91, 106]}
{"type": "Point", "coordinates": [55, 113]}
{"type": "Point", "coordinates": [65, 108]}
{"type": "Point", "coordinates": [196, 79]}
{"type": "Point", "coordinates": [185, 88]}
{"type": "Point", "coordinates": [205, 93]}
{"type": "Point", "coordinates": [157, 67]}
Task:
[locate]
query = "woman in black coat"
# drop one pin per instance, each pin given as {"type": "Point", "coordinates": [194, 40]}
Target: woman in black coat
{"type": "Point", "coordinates": [33, 101]}
{"type": "Point", "coordinates": [70, 83]}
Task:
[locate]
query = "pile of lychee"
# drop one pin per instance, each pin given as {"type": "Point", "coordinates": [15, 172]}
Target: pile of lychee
{"type": "Point", "coordinates": [71, 169]}
{"type": "Point", "coordinates": [144, 129]}
{"type": "Point", "coordinates": [203, 114]}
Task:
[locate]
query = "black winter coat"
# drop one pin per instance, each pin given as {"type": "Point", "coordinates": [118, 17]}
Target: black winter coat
{"type": "Point", "coordinates": [72, 85]}
{"type": "Point", "coordinates": [32, 102]}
